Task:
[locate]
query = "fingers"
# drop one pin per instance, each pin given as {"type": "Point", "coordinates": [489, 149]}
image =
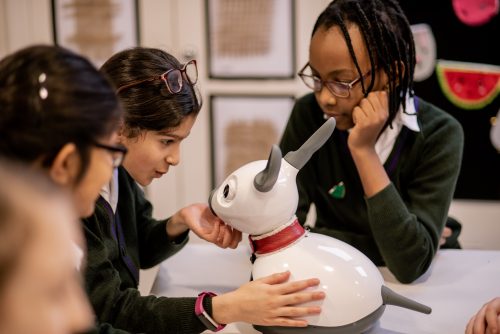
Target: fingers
{"type": "Point", "coordinates": [204, 224]}
{"type": "Point", "coordinates": [291, 302]}
{"type": "Point", "coordinates": [470, 325]}
{"type": "Point", "coordinates": [215, 233]}
{"type": "Point", "coordinates": [222, 232]}
{"type": "Point", "coordinates": [296, 286]}
{"type": "Point", "coordinates": [487, 319]}
{"type": "Point", "coordinates": [272, 301]}
{"type": "Point", "coordinates": [447, 232]}
{"type": "Point", "coordinates": [375, 106]}
{"type": "Point", "coordinates": [286, 322]}
{"type": "Point", "coordinates": [479, 325]}
{"type": "Point", "coordinates": [296, 311]}
{"type": "Point", "coordinates": [225, 236]}
{"type": "Point", "coordinates": [358, 115]}
{"type": "Point", "coordinates": [288, 288]}
{"type": "Point", "coordinates": [293, 293]}
{"type": "Point", "coordinates": [289, 315]}
{"type": "Point", "coordinates": [228, 237]}
{"type": "Point", "coordinates": [491, 316]}
{"type": "Point", "coordinates": [275, 278]}
{"type": "Point", "coordinates": [380, 100]}
{"type": "Point", "coordinates": [236, 237]}
{"type": "Point", "coordinates": [366, 105]}
{"type": "Point", "coordinates": [442, 241]}
{"type": "Point", "coordinates": [372, 109]}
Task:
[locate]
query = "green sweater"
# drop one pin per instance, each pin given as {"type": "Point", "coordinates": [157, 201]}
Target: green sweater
{"type": "Point", "coordinates": [400, 226]}
{"type": "Point", "coordinates": [111, 286]}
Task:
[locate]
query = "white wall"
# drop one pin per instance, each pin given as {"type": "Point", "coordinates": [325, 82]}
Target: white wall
{"type": "Point", "coordinates": [178, 26]}
{"type": "Point", "coordinates": [24, 22]}
{"type": "Point", "coordinates": [480, 223]}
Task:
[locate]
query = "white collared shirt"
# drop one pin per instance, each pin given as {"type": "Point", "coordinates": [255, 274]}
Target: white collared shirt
{"type": "Point", "coordinates": [387, 139]}
{"type": "Point", "coordinates": [110, 191]}
{"type": "Point", "coordinates": [78, 254]}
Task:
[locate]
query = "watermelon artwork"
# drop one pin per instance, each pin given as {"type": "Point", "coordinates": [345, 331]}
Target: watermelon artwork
{"type": "Point", "coordinates": [468, 85]}
{"type": "Point", "coordinates": [475, 12]}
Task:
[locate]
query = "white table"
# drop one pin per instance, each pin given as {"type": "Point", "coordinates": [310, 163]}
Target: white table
{"type": "Point", "coordinates": [458, 283]}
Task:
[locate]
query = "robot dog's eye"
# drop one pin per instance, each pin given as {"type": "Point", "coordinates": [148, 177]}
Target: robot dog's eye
{"type": "Point", "coordinates": [229, 190]}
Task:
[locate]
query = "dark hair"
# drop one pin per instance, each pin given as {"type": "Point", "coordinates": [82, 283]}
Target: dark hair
{"type": "Point", "coordinates": [50, 96]}
{"type": "Point", "coordinates": [149, 105]}
{"type": "Point", "coordinates": [388, 37]}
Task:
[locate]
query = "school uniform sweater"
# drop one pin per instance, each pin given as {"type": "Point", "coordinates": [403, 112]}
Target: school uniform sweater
{"type": "Point", "coordinates": [400, 226]}
{"type": "Point", "coordinates": [111, 274]}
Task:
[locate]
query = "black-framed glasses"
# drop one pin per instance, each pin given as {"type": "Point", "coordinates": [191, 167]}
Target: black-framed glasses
{"type": "Point", "coordinates": [117, 152]}
{"type": "Point", "coordinates": [173, 78]}
{"type": "Point", "coordinates": [337, 88]}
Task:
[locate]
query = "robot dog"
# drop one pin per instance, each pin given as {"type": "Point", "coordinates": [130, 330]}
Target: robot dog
{"type": "Point", "coordinates": [260, 199]}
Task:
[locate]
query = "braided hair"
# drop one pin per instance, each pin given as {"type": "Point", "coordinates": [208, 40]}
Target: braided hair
{"type": "Point", "coordinates": [389, 40]}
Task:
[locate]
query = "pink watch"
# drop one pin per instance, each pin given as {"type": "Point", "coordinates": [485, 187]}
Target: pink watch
{"type": "Point", "coordinates": [204, 317]}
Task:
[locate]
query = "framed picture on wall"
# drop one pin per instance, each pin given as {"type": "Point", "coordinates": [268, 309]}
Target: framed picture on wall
{"type": "Point", "coordinates": [243, 129]}
{"type": "Point", "coordinates": [95, 28]}
{"type": "Point", "coordinates": [250, 39]}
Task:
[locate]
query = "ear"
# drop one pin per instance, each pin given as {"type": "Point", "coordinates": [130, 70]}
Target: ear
{"type": "Point", "coordinates": [126, 135]}
{"type": "Point", "coordinates": [121, 133]}
{"type": "Point", "coordinates": [66, 165]}
{"type": "Point", "coordinates": [384, 78]}
{"type": "Point", "coordinates": [396, 70]}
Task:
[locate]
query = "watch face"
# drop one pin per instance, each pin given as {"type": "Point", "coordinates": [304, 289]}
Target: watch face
{"type": "Point", "coordinates": [425, 51]}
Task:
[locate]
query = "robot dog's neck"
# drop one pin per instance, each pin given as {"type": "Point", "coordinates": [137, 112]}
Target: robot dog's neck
{"type": "Point", "coordinates": [278, 239]}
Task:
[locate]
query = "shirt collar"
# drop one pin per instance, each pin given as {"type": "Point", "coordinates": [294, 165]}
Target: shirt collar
{"type": "Point", "coordinates": [408, 118]}
{"type": "Point", "coordinates": [110, 191]}
{"type": "Point", "coordinates": [387, 138]}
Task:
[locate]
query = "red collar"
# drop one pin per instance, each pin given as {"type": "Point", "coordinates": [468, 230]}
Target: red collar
{"type": "Point", "coordinates": [277, 241]}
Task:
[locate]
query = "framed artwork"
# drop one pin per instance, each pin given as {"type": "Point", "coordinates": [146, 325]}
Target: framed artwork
{"type": "Point", "coordinates": [250, 39]}
{"type": "Point", "coordinates": [243, 129]}
{"type": "Point", "coordinates": [95, 28]}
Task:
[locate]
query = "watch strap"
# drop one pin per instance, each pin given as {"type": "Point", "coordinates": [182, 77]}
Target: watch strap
{"type": "Point", "coordinates": [203, 315]}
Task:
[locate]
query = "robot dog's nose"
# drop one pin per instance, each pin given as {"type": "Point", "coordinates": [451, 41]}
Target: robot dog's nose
{"type": "Point", "coordinates": [210, 202]}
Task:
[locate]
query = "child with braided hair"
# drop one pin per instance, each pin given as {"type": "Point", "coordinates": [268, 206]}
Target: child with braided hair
{"type": "Point", "coordinates": [385, 179]}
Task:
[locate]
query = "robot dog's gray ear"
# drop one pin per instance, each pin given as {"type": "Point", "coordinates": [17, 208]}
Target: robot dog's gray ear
{"type": "Point", "coordinates": [265, 180]}
{"type": "Point", "coordinates": [299, 158]}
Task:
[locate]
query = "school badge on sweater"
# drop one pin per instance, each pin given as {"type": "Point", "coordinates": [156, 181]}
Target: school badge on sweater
{"type": "Point", "coordinates": [337, 191]}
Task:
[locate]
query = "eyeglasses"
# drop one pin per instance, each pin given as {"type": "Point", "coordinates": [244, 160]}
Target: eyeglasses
{"type": "Point", "coordinates": [172, 78]}
{"type": "Point", "coordinates": [117, 152]}
{"type": "Point", "coordinates": [337, 88]}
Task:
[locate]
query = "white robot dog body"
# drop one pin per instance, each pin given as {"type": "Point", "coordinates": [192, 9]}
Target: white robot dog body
{"type": "Point", "coordinates": [260, 199]}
